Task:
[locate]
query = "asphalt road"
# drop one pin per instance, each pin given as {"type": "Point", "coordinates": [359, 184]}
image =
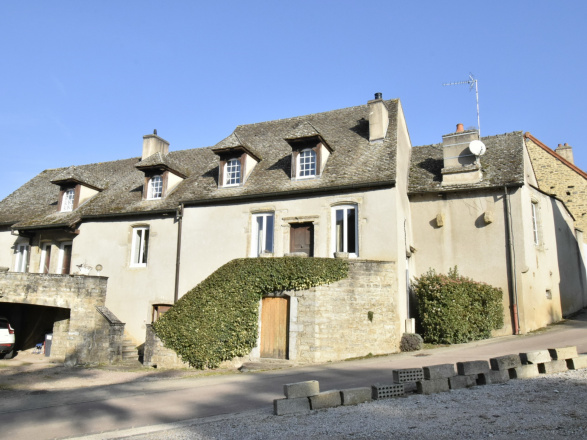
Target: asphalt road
{"type": "Point", "coordinates": [60, 414]}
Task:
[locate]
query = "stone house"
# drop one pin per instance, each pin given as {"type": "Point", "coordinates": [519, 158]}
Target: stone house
{"type": "Point", "coordinates": [558, 175]}
{"type": "Point", "coordinates": [345, 183]}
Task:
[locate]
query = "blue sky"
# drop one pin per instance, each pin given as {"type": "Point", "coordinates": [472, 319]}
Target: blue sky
{"type": "Point", "coordinates": [82, 82]}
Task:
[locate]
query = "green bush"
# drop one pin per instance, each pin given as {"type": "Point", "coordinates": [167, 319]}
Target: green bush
{"type": "Point", "coordinates": [453, 309]}
{"type": "Point", "coordinates": [411, 342]}
{"type": "Point", "coordinates": [218, 319]}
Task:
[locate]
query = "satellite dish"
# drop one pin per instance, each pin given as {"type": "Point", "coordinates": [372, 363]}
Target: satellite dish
{"type": "Point", "coordinates": [478, 148]}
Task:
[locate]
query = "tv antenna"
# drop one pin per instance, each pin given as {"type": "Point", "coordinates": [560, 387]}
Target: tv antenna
{"type": "Point", "coordinates": [472, 81]}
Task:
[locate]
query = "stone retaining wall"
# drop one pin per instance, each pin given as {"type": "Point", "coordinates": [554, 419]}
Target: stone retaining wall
{"type": "Point", "coordinates": [88, 336]}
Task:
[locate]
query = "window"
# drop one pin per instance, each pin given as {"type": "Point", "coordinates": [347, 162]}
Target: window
{"type": "Point", "coordinates": [64, 262]}
{"type": "Point", "coordinates": [159, 310]}
{"type": "Point", "coordinates": [262, 234]}
{"type": "Point", "coordinates": [232, 174]}
{"type": "Point", "coordinates": [140, 246]}
{"type": "Point", "coordinates": [344, 230]}
{"type": "Point", "coordinates": [155, 190]}
{"type": "Point", "coordinates": [67, 201]}
{"type": "Point", "coordinates": [22, 258]}
{"type": "Point", "coordinates": [306, 164]}
{"type": "Point", "coordinates": [45, 258]}
{"type": "Point", "coordinates": [535, 224]}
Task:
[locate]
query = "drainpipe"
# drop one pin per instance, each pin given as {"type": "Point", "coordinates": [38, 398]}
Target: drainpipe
{"type": "Point", "coordinates": [512, 268]}
{"type": "Point", "coordinates": [178, 254]}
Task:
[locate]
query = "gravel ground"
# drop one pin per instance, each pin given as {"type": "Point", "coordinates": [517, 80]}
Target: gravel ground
{"type": "Point", "coordinates": [553, 407]}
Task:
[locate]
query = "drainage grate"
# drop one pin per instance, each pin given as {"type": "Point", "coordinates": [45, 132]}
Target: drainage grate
{"type": "Point", "coordinates": [385, 391]}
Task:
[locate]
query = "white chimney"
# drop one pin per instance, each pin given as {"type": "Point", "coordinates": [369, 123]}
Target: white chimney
{"type": "Point", "coordinates": [378, 119]}
{"type": "Point", "coordinates": [154, 144]}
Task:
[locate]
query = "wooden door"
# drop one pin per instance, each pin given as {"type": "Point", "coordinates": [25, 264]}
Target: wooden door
{"type": "Point", "coordinates": [66, 263]}
{"type": "Point", "coordinates": [274, 327]}
{"type": "Point", "coordinates": [302, 238]}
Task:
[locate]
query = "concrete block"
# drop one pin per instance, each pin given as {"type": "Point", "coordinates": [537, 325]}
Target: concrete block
{"type": "Point", "coordinates": [408, 375]}
{"type": "Point", "coordinates": [326, 399]}
{"type": "Point", "coordinates": [577, 363]}
{"type": "Point", "coordinates": [458, 382]}
{"type": "Point", "coordinates": [410, 387]}
{"type": "Point", "coordinates": [498, 376]}
{"type": "Point", "coordinates": [563, 353]}
{"type": "Point", "coordinates": [354, 396]}
{"type": "Point", "coordinates": [301, 389]}
{"type": "Point", "coordinates": [505, 362]}
{"type": "Point", "coordinates": [472, 367]}
{"type": "Point", "coordinates": [441, 371]}
{"type": "Point", "coordinates": [535, 357]}
{"type": "Point", "coordinates": [385, 391]}
{"type": "Point", "coordinates": [552, 367]}
{"type": "Point", "coordinates": [524, 372]}
{"type": "Point", "coordinates": [281, 407]}
{"type": "Point", "coordinates": [433, 386]}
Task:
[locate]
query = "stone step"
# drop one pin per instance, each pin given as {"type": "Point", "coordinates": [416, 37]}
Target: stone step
{"type": "Point", "coordinates": [266, 364]}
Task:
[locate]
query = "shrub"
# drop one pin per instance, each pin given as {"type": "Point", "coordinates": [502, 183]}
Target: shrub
{"type": "Point", "coordinates": [411, 342]}
{"type": "Point", "coordinates": [218, 319]}
{"type": "Point", "coordinates": [453, 309]}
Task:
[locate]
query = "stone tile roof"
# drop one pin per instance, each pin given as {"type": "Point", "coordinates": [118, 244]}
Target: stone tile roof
{"type": "Point", "coordinates": [354, 163]}
{"type": "Point", "coordinates": [163, 161]}
{"type": "Point", "coordinates": [502, 164]}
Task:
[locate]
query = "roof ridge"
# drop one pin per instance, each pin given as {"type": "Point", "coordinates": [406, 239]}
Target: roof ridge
{"type": "Point", "coordinates": [308, 115]}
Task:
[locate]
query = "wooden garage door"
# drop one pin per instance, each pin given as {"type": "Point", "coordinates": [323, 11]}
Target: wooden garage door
{"type": "Point", "coordinates": [274, 327]}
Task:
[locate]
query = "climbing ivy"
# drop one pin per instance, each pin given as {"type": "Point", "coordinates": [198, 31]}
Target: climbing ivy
{"type": "Point", "coordinates": [217, 320]}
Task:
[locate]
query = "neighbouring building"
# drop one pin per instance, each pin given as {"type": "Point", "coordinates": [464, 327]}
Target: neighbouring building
{"type": "Point", "coordinates": [341, 184]}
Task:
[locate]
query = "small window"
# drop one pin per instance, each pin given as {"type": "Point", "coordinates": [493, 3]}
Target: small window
{"type": "Point", "coordinates": [45, 262]}
{"type": "Point", "coordinates": [535, 224]}
{"type": "Point", "coordinates": [64, 262]}
{"type": "Point", "coordinates": [262, 234]}
{"type": "Point", "coordinates": [344, 230]}
{"type": "Point", "coordinates": [155, 190]}
{"type": "Point", "coordinates": [140, 246]}
{"type": "Point", "coordinates": [22, 258]}
{"type": "Point", "coordinates": [232, 174]}
{"type": "Point", "coordinates": [67, 201]}
{"type": "Point", "coordinates": [159, 310]}
{"type": "Point", "coordinates": [306, 164]}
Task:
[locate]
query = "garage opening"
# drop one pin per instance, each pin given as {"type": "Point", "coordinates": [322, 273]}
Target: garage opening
{"type": "Point", "coordinates": [31, 322]}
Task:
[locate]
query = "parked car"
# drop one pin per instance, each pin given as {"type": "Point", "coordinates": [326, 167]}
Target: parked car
{"type": "Point", "coordinates": [6, 339]}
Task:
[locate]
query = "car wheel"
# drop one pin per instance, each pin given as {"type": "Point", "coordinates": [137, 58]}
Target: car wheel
{"type": "Point", "coordinates": [9, 355]}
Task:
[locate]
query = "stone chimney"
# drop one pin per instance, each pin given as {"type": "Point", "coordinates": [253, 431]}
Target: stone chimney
{"type": "Point", "coordinates": [566, 151]}
{"type": "Point", "coordinates": [460, 165]}
{"type": "Point", "coordinates": [378, 119]}
{"type": "Point", "coordinates": [154, 144]}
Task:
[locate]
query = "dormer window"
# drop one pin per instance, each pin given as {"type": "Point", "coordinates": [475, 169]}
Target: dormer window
{"type": "Point", "coordinates": [236, 162]}
{"type": "Point", "coordinates": [306, 164]}
{"type": "Point", "coordinates": [155, 190]}
{"type": "Point", "coordinates": [308, 156]}
{"type": "Point", "coordinates": [232, 172]}
{"type": "Point", "coordinates": [67, 200]}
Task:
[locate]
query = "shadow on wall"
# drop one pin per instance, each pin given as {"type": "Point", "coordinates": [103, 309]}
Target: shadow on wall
{"type": "Point", "coordinates": [573, 280]}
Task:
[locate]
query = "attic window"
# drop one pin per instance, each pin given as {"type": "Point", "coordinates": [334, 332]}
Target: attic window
{"type": "Point", "coordinates": [308, 156]}
{"type": "Point", "coordinates": [306, 165]}
{"type": "Point", "coordinates": [155, 190]}
{"type": "Point", "coordinates": [232, 172]}
{"type": "Point", "coordinates": [67, 200]}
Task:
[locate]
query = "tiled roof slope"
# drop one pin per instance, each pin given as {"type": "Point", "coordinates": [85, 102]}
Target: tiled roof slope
{"type": "Point", "coordinates": [354, 162]}
{"type": "Point", "coordinates": [502, 164]}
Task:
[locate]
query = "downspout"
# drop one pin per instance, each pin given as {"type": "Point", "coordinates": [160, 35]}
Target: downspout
{"type": "Point", "coordinates": [178, 254]}
{"type": "Point", "coordinates": [512, 259]}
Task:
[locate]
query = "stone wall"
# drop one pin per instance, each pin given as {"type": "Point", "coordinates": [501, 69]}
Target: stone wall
{"type": "Point", "coordinates": [557, 178]}
{"type": "Point", "coordinates": [353, 317]}
{"type": "Point", "coordinates": [87, 336]}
